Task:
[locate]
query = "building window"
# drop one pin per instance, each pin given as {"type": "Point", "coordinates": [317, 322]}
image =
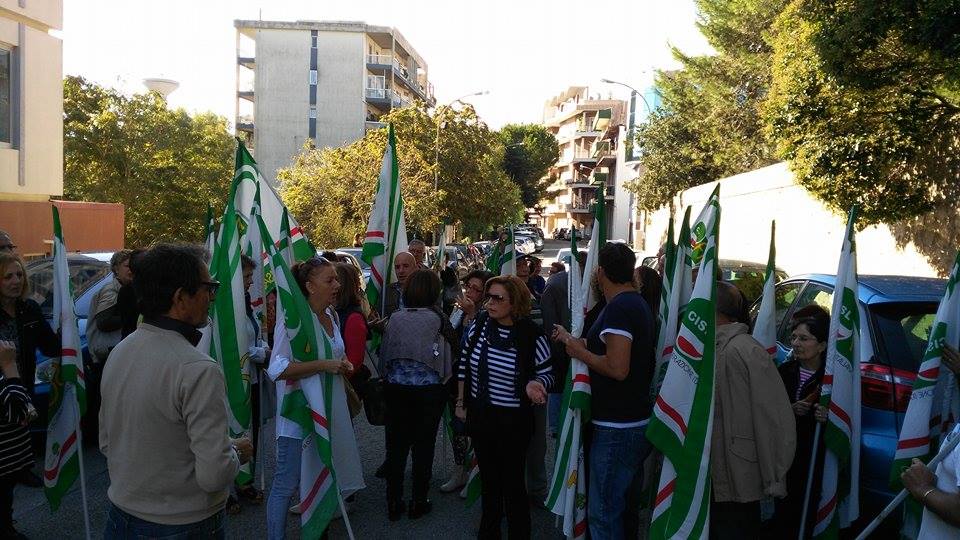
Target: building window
{"type": "Point", "coordinates": [313, 111]}
{"type": "Point", "coordinates": [6, 96]}
{"type": "Point", "coordinates": [313, 76]}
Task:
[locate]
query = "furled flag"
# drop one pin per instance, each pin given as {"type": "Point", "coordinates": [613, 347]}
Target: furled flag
{"type": "Point", "coordinates": [271, 207]}
{"type": "Point", "coordinates": [472, 491]}
{"type": "Point", "coordinates": [568, 494]}
{"type": "Point", "coordinates": [682, 420]}
{"type": "Point", "coordinates": [253, 248]}
{"type": "Point", "coordinates": [765, 328]}
{"type": "Point", "coordinates": [677, 287]}
{"type": "Point", "coordinates": [330, 460]}
{"type": "Point", "coordinates": [702, 226]}
{"type": "Point", "coordinates": [68, 391]}
{"type": "Point", "coordinates": [934, 401]}
{"type": "Point", "coordinates": [508, 258]}
{"type": "Point", "coordinates": [598, 238]}
{"type": "Point", "coordinates": [386, 230]}
{"type": "Point", "coordinates": [838, 503]}
{"type": "Point", "coordinates": [210, 230]}
{"type": "Point", "coordinates": [229, 343]}
{"type": "Point", "coordinates": [285, 241]}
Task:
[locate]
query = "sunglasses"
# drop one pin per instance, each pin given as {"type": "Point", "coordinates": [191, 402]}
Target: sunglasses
{"type": "Point", "coordinates": [495, 297]}
{"type": "Point", "coordinates": [211, 286]}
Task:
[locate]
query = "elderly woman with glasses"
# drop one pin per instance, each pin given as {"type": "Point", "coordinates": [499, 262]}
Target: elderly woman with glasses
{"type": "Point", "coordinates": [802, 376]}
{"type": "Point", "coordinates": [505, 369]}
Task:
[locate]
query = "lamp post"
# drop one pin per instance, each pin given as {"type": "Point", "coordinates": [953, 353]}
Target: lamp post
{"type": "Point", "coordinates": [436, 148]}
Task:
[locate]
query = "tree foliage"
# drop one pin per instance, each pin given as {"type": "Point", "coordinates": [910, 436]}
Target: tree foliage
{"type": "Point", "coordinates": [331, 190]}
{"type": "Point", "coordinates": [163, 165]}
{"type": "Point", "coordinates": [865, 103]}
{"type": "Point", "coordinates": [530, 150]}
{"type": "Point", "coordinates": [709, 125]}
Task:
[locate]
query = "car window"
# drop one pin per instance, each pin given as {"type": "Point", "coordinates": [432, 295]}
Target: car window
{"type": "Point", "coordinates": [785, 295]}
{"type": "Point", "coordinates": [750, 282]}
{"type": "Point", "coordinates": [84, 273]}
{"type": "Point", "coordinates": [813, 293]}
{"type": "Point", "coordinates": [902, 330]}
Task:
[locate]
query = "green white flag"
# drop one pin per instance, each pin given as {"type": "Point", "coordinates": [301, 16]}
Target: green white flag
{"type": "Point", "coordinates": [765, 327]}
{"type": "Point", "coordinates": [386, 231]}
{"type": "Point", "coordinates": [210, 230]}
{"type": "Point", "coordinates": [508, 256]}
{"type": "Point", "coordinates": [682, 420]}
{"type": "Point", "coordinates": [701, 227]}
{"type": "Point", "coordinates": [68, 391]}
{"type": "Point", "coordinates": [230, 344]}
{"type": "Point", "coordinates": [677, 287]}
{"type": "Point", "coordinates": [598, 237]}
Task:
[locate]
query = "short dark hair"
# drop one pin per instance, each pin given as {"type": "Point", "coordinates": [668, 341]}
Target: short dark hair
{"type": "Point", "coordinates": [422, 290]}
{"type": "Point", "coordinates": [350, 291]}
{"type": "Point", "coordinates": [817, 323]}
{"type": "Point", "coordinates": [247, 262]}
{"type": "Point", "coordinates": [482, 275]}
{"type": "Point", "coordinates": [617, 261]}
{"type": "Point", "coordinates": [161, 271]}
{"type": "Point", "coordinates": [119, 258]}
{"type": "Point", "coordinates": [729, 300]}
{"type": "Point", "coordinates": [303, 270]}
{"type": "Point", "coordinates": [650, 284]}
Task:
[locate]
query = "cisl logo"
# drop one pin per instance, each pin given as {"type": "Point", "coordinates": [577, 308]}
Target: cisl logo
{"type": "Point", "coordinates": [689, 343]}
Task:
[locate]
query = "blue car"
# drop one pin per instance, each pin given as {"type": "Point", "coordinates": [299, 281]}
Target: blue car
{"type": "Point", "coordinates": [88, 274]}
{"type": "Point", "coordinates": [896, 313]}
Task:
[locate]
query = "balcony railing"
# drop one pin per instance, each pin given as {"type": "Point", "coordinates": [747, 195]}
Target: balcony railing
{"type": "Point", "coordinates": [600, 149]}
{"type": "Point", "coordinates": [380, 59]}
{"type": "Point", "coordinates": [376, 93]}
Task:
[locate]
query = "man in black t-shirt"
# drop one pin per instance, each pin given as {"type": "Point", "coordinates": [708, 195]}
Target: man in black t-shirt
{"type": "Point", "coordinates": [619, 351]}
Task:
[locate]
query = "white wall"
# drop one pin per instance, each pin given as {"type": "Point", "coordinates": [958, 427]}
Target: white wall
{"type": "Point", "coordinates": [621, 197]}
{"type": "Point", "coordinates": [809, 236]}
{"type": "Point", "coordinates": [341, 109]}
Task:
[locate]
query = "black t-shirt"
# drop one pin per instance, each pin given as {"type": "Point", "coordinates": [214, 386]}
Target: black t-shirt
{"type": "Point", "coordinates": [626, 401]}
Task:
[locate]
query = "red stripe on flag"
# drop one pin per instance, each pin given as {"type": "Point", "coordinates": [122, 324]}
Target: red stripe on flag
{"type": "Point", "coordinates": [308, 500]}
{"type": "Point", "coordinates": [913, 443]}
{"type": "Point", "coordinates": [295, 231]}
{"type": "Point", "coordinates": [581, 378]}
{"type": "Point", "coordinates": [828, 379]}
{"type": "Point", "coordinates": [375, 234]}
{"type": "Point", "coordinates": [256, 303]}
{"type": "Point", "coordinates": [672, 413]}
{"type": "Point", "coordinates": [688, 348]}
{"type": "Point", "coordinates": [842, 414]}
{"type": "Point", "coordinates": [664, 493]}
{"type": "Point", "coordinates": [824, 512]}
{"type": "Point", "coordinates": [931, 373]}
{"type": "Point", "coordinates": [579, 529]}
{"type": "Point", "coordinates": [51, 474]}
{"type": "Point", "coordinates": [667, 350]}
{"type": "Point", "coordinates": [376, 275]}
{"type": "Point", "coordinates": [319, 418]}
{"type": "Point", "coordinates": [771, 350]}
{"type": "Point", "coordinates": [68, 352]}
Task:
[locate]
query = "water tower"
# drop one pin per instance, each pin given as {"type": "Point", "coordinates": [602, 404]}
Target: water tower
{"type": "Point", "coordinates": [164, 87]}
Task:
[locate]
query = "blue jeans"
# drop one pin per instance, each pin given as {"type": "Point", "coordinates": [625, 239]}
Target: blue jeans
{"type": "Point", "coordinates": [121, 526]}
{"type": "Point", "coordinates": [616, 461]}
{"type": "Point", "coordinates": [554, 403]}
{"type": "Point", "coordinates": [286, 478]}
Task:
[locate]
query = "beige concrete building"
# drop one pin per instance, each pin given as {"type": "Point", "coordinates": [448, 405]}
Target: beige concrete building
{"type": "Point", "coordinates": [328, 81]}
{"type": "Point", "coordinates": [31, 100]}
{"type": "Point", "coordinates": [589, 131]}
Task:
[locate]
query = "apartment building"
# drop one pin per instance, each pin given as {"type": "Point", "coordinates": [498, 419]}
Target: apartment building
{"type": "Point", "coordinates": [590, 132]}
{"type": "Point", "coordinates": [328, 81]}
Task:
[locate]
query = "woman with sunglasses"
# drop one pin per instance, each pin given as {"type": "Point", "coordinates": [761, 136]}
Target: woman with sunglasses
{"type": "Point", "coordinates": [317, 279]}
{"type": "Point", "coordinates": [505, 369]}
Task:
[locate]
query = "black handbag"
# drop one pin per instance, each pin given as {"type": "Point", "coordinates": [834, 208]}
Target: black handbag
{"type": "Point", "coordinates": [375, 402]}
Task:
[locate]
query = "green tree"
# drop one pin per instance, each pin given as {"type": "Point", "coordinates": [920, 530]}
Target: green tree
{"type": "Point", "coordinates": [865, 103]}
{"type": "Point", "coordinates": [330, 190]}
{"type": "Point", "coordinates": [530, 150]}
{"type": "Point", "coordinates": [709, 124]}
{"type": "Point", "coordinates": [163, 165]}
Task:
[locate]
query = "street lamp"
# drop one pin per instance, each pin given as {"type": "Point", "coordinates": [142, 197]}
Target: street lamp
{"type": "Point", "coordinates": [436, 147]}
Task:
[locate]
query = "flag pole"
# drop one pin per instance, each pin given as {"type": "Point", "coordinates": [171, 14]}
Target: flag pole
{"type": "Point", "coordinates": [346, 518]}
{"type": "Point", "coordinates": [950, 445]}
{"type": "Point", "coordinates": [259, 464]}
{"type": "Point", "coordinates": [83, 482]}
{"type": "Point", "coordinates": [806, 497]}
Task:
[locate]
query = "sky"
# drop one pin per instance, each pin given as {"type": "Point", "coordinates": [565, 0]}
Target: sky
{"type": "Point", "coordinates": [522, 52]}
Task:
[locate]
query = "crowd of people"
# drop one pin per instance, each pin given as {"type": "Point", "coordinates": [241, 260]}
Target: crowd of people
{"type": "Point", "coordinates": [495, 354]}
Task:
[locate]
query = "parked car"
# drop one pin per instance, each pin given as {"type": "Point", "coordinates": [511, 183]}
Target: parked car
{"type": "Point", "coordinates": [88, 274]}
{"type": "Point", "coordinates": [747, 276]}
{"type": "Point", "coordinates": [534, 237]}
{"type": "Point", "coordinates": [525, 245]}
{"type": "Point", "coordinates": [453, 252]}
{"type": "Point", "coordinates": [896, 313]}
{"type": "Point", "coordinates": [560, 233]}
{"type": "Point", "coordinates": [354, 253]}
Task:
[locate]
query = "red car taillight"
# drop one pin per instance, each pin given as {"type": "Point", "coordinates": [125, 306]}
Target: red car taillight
{"type": "Point", "coordinates": [884, 388]}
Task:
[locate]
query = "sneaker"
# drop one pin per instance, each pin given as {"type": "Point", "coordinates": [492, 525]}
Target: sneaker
{"type": "Point", "coordinates": [295, 509]}
{"type": "Point", "coordinates": [456, 481]}
{"type": "Point", "coordinates": [463, 492]}
{"type": "Point", "coordinates": [419, 508]}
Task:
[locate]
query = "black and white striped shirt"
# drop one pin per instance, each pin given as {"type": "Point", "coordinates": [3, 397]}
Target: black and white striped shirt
{"type": "Point", "coordinates": [15, 452]}
{"type": "Point", "coordinates": [502, 365]}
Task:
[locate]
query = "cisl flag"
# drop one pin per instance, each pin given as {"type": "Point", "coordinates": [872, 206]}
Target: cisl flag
{"type": "Point", "coordinates": [682, 420]}
{"type": "Point", "coordinates": [840, 394]}
{"type": "Point", "coordinates": [677, 285]}
{"type": "Point", "coordinates": [765, 328]}
{"type": "Point", "coordinates": [68, 391]}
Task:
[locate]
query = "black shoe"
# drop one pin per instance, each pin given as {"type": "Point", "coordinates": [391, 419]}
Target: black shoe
{"type": "Point", "coordinates": [419, 508]}
{"type": "Point", "coordinates": [395, 510]}
{"type": "Point", "coordinates": [381, 470]}
{"type": "Point", "coordinates": [28, 478]}
{"type": "Point", "coordinates": [12, 534]}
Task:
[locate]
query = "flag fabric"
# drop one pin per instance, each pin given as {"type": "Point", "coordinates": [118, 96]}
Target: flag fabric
{"type": "Point", "coordinates": [230, 344]}
{"type": "Point", "coordinates": [567, 496]}
{"type": "Point", "coordinates": [209, 230]}
{"type": "Point", "coordinates": [765, 327]}
{"type": "Point", "coordinates": [439, 263]}
{"type": "Point", "coordinates": [677, 287]}
{"type": "Point", "coordinates": [473, 487]}
{"type": "Point", "coordinates": [508, 257]}
{"type": "Point", "coordinates": [386, 231]}
{"type": "Point", "coordinates": [702, 226]}
{"type": "Point", "coordinates": [682, 420]}
{"type": "Point", "coordinates": [935, 399]}
{"type": "Point", "coordinates": [330, 461]}
{"type": "Point", "coordinates": [838, 503]}
{"type": "Point", "coordinates": [253, 248]}
{"type": "Point", "coordinates": [598, 237]}
{"type": "Point", "coordinates": [68, 395]}
{"type": "Point", "coordinates": [285, 242]}
{"type": "Point", "coordinates": [271, 207]}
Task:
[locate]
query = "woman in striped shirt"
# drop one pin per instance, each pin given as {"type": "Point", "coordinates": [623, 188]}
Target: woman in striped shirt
{"type": "Point", "coordinates": [506, 367]}
{"type": "Point", "coordinates": [14, 438]}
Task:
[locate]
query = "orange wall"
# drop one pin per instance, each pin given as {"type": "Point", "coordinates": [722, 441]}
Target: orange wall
{"type": "Point", "coordinates": [86, 226]}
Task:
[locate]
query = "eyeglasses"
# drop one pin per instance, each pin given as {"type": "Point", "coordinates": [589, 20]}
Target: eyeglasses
{"type": "Point", "coordinates": [474, 288]}
{"type": "Point", "coordinates": [802, 338]}
{"type": "Point", "coordinates": [496, 298]}
{"type": "Point", "coordinates": [211, 286]}
{"type": "Point", "coordinates": [7, 247]}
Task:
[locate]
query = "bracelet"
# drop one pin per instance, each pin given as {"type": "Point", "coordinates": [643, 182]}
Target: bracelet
{"type": "Point", "coordinates": [923, 498]}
